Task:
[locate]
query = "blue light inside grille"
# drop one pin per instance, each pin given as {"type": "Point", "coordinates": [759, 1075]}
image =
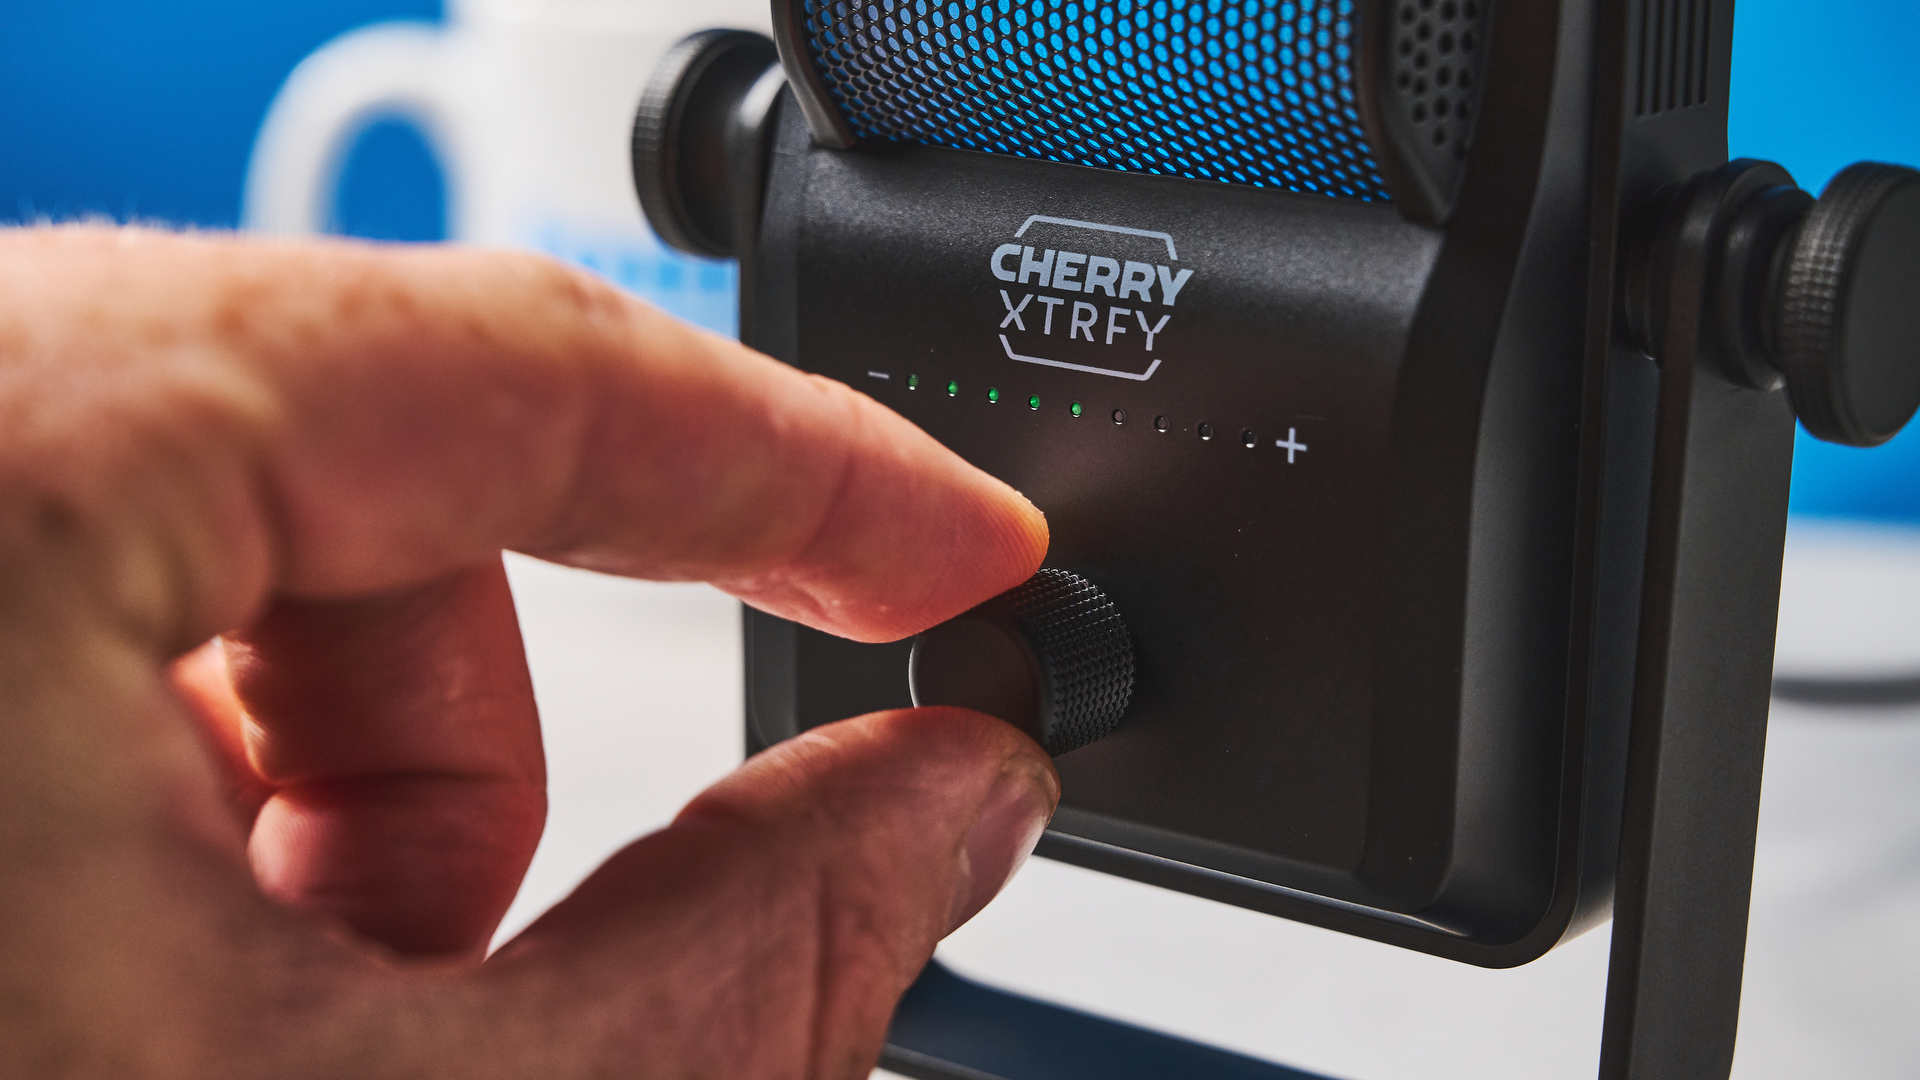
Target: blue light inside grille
{"type": "Point", "coordinates": [1247, 92]}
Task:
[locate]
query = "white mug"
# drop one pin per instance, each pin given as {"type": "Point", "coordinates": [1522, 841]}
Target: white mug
{"type": "Point", "coordinates": [529, 105]}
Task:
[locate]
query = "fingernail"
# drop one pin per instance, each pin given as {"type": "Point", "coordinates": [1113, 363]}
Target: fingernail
{"type": "Point", "coordinates": [1009, 825]}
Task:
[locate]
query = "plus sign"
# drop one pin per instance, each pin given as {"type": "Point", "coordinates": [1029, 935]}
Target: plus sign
{"type": "Point", "coordinates": [1291, 444]}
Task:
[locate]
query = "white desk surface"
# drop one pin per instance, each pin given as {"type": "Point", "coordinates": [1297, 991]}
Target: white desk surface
{"type": "Point", "coordinates": [640, 687]}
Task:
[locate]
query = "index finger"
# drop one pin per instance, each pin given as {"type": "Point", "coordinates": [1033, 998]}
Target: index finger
{"type": "Point", "coordinates": [335, 419]}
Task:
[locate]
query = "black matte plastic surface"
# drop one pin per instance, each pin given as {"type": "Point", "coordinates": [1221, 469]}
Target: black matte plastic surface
{"type": "Point", "coordinates": [1372, 495]}
{"type": "Point", "coordinates": [1273, 625]}
{"type": "Point", "coordinates": [1716, 539]}
{"type": "Point", "coordinates": [1354, 704]}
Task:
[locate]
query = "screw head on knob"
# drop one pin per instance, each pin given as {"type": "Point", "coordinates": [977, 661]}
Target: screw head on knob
{"type": "Point", "coordinates": [1845, 326]}
{"type": "Point", "coordinates": [1051, 656]}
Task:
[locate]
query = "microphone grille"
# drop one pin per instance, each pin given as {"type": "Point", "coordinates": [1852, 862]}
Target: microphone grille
{"type": "Point", "coordinates": [1257, 92]}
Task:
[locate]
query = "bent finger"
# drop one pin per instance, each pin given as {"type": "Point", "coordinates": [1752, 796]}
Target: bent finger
{"type": "Point", "coordinates": [331, 419]}
{"type": "Point", "coordinates": [788, 907]}
{"type": "Point", "coordinates": [204, 685]}
{"type": "Point", "coordinates": [399, 736]}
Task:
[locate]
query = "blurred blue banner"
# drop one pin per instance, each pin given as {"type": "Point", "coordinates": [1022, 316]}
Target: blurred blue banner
{"type": "Point", "coordinates": [139, 109]}
{"type": "Point", "coordinates": [1817, 87]}
{"type": "Point", "coordinates": [147, 109]}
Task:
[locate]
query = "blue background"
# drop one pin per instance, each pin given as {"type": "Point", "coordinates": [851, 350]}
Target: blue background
{"type": "Point", "coordinates": [142, 109]}
{"type": "Point", "coordinates": [146, 109]}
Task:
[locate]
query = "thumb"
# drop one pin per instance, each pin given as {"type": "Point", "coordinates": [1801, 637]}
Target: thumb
{"type": "Point", "coordinates": [772, 928]}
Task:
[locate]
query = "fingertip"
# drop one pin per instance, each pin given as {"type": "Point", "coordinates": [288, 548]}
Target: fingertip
{"type": "Point", "coordinates": [1035, 533]}
{"type": "Point", "coordinates": [954, 731]}
{"type": "Point", "coordinates": [1018, 530]}
{"type": "Point", "coordinates": [963, 768]}
{"type": "Point", "coordinates": [915, 536]}
{"type": "Point", "coordinates": [943, 753]}
{"type": "Point", "coordinates": [1025, 538]}
{"type": "Point", "coordinates": [1010, 813]}
{"type": "Point", "coordinates": [202, 680]}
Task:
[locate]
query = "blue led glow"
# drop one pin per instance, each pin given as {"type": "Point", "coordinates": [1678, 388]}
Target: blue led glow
{"type": "Point", "coordinates": [1248, 92]}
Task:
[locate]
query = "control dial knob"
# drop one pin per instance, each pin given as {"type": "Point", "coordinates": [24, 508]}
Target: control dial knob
{"type": "Point", "coordinates": [1817, 294]}
{"type": "Point", "coordinates": [702, 139]}
{"type": "Point", "coordinates": [1051, 657]}
{"type": "Point", "coordinates": [1846, 320]}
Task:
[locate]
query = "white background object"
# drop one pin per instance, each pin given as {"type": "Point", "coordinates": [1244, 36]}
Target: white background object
{"type": "Point", "coordinates": [529, 106]}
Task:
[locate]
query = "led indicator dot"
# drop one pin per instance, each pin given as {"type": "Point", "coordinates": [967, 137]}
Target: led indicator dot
{"type": "Point", "coordinates": [913, 382]}
{"type": "Point", "coordinates": [1033, 402]}
{"type": "Point", "coordinates": [1075, 409]}
{"type": "Point", "coordinates": [993, 395]}
{"type": "Point", "coordinates": [1249, 438]}
{"type": "Point", "coordinates": [1206, 432]}
{"type": "Point", "coordinates": [1119, 417]}
{"type": "Point", "coordinates": [953, 389]}
{"type": "Point", "coordinates": [1161, 425]}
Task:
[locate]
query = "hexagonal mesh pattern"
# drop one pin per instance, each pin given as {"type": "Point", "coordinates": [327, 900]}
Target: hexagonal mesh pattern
{"type": "Point", "coordinates": [1437, 60]}
{"type": "Point", "coordinates": [1248, 92]}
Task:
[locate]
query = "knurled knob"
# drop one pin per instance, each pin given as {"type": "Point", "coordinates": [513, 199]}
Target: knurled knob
{"type": "Point", "coordinates": [1051, 656]}
{"type": "Point", "coordinates": [1846, 327]}
{"type": "Point", "coordinates": [681, 136]}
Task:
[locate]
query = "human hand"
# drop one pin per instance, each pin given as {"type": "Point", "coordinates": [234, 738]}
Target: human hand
{"type": "Point", "coordinates": [283, 853]}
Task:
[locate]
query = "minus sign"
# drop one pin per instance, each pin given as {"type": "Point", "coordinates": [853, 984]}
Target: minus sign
{"type": "Point", "coordinates": [878, 375]}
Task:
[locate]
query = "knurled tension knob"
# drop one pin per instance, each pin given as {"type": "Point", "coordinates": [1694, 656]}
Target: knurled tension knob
{"type": "Point", "coordinates": [1823, 296]}
{"type": "Point", "coordinates": [1051, 656]}
{"type": "Point", "coordinates": [1846, 321]}
{"type": "Point", "coordinates": [701, 139]}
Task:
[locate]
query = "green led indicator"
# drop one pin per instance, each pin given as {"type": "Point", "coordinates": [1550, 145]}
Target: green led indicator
{"type": "Point", "coordinates": [1033, 402]}
{"type": "Point", "coordinates": [1075, 408]}
{"type": "Point", "coordinates": [993, 395]}
{"type": "Point", "coordinates": [913, 382]}
{"type": "Point", "coordinates": [953, 389]}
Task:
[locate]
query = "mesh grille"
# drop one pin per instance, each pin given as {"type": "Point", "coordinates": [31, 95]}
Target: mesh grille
{"type": "Point", "coordinates": [1250, 92]}
{"type": "Point", "coordinates": [1437, 58]}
